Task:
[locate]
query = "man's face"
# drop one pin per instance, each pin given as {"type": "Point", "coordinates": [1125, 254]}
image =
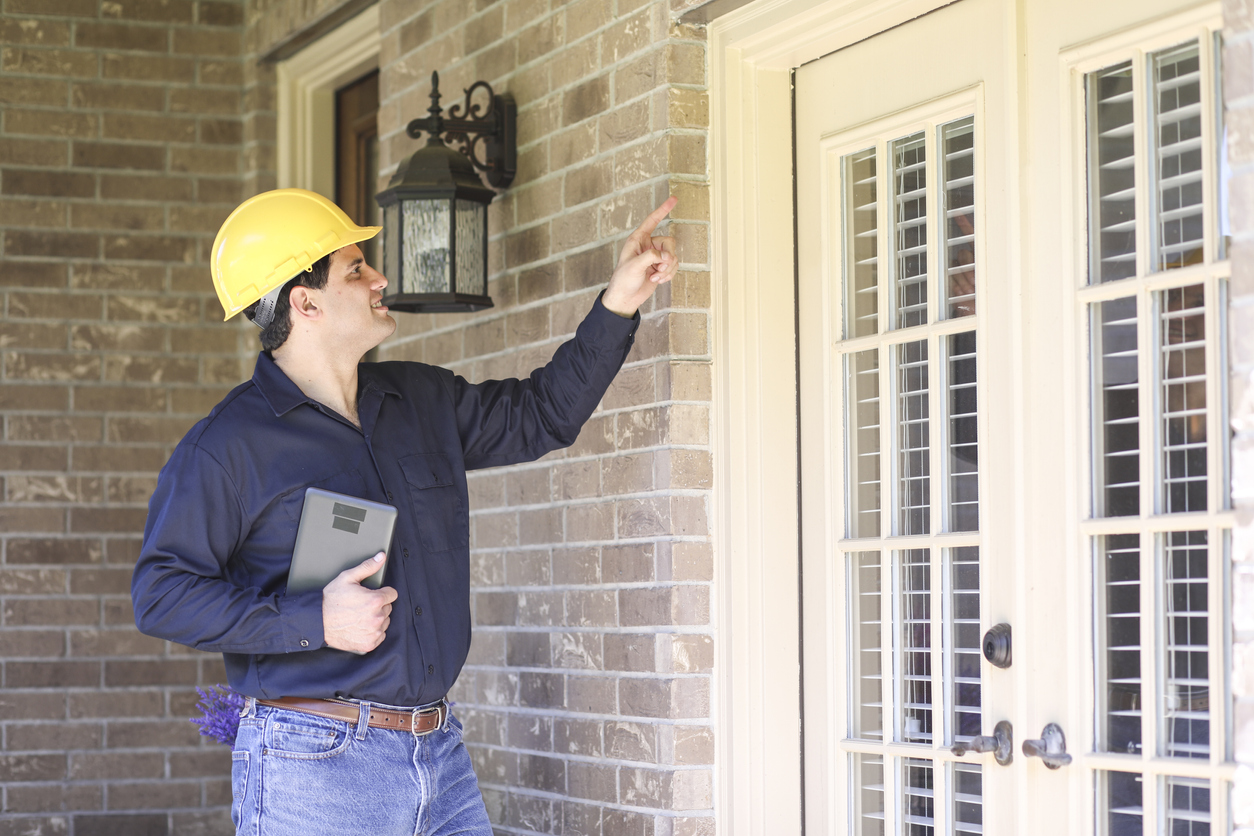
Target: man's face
{"type": "Point", "coordinates": [350, 301]}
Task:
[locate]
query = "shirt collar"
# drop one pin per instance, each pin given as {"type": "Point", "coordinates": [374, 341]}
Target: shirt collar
{"type": "Point", "coordinates": [277, 388]}
{"type": "Point", "coordinates": [369, 378]}
{"type": "Point", "coordinates": [283, 395]}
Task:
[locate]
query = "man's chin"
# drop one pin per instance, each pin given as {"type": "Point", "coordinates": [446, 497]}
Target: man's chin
{"type": "Point", "coordinates": [385, 329]}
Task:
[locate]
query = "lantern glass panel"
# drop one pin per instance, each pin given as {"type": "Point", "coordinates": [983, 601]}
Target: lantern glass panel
{"type": "Point", "coordinates": [389, 243]}
{"type": "Point", "coordinates": [471, 229]}
{"type": "Point", "coordinates": [425, 248]}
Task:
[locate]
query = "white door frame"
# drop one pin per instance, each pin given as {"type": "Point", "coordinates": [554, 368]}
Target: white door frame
{"type": "Point", "coordinates": [306, 100]}
{"type": "Point", "coordinates": [756, 527]}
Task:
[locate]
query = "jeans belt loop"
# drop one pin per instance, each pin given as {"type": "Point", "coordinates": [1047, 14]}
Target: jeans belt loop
{"type": "Point", "coordinates": [363, 720]}
{"type": "Point", "coordinates": [249, 709]}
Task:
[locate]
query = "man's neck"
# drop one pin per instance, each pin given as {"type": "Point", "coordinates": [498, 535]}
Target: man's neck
{"type": "Point", "coordinates": [330, 378]}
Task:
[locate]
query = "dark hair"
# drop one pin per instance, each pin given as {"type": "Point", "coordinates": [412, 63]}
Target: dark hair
{"type": "Point", "coordinates": [275, 334]}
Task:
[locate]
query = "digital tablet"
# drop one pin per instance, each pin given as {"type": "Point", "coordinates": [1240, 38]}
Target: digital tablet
{"type": "Point", "coordinates": [338, 532]}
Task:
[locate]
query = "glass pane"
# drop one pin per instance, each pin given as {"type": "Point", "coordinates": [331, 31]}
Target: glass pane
{"type": "Point", "coordinates": [918, 806]}
{"type": "Point", "coordinates": [914, 666]}
{"type": "Point", "coordinates": [910, 229]}
{"type": "Point", "coordinates": [1185, 658]}
{"type": "Point", "coordinates": [1117, 401]}
{"type": "Point", "coordinates": [425, 247]}
{"type": "Point", "coordinates": [1112, 175]}
{"type": "Point", "coordinates": [964, 460]}
{"type": "Point", "coordinates": [968, 800]}
{"type": "Point", "coordinates": [964, 632]}
{"type": "Point", "coordinates": [1187, 802]}
{"type": "Point", "coordinates": [471, 227]}
{"type": "Point", "coordinates": [868, 802]}
{"type": "Point", "coordinates": [913, 483]}
{"type": "Point", "coordinates": [1124, 812]}
{"type": "Point", "coordinates": [1219, 177]}
{"type": "Point", "coordinates": [867, 633]}
{"type": "Point", "coordinates": [389, 245]}
{"type": "Point", "coordinates": [958, 139]}
{"type": "Point", "coordinates": [861, 245]}
{"type": "Point", "coordinates": [864, 443]}
{"type": "Point", "coordinates": [1119, 640]}
{"type": "Point", "coordinates": [1178, 131]}
{"type": "Point", "coordinates": [1183, 375]}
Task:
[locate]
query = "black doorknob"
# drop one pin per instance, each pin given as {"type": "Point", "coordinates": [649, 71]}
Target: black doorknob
{"type": "Point", "coordinates": [997, 645]}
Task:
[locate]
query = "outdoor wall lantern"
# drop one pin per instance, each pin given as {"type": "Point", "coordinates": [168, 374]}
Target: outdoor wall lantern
{"type": "Point", "coordinates": [435, 208]}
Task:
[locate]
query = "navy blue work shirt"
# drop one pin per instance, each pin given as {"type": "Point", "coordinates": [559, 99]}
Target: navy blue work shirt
{"type": "Point", "coordinates": [221, 525]}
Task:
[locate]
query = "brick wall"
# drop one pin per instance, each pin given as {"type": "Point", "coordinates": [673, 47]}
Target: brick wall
{"type": "Point", "coordinates": [126, 137]}
{"type": "Point", "coordinates": [587, 696]}
{"type": "Point", "coordinates": [1238, 71]}
{"type": "Point", "coordinates": [128, 130]}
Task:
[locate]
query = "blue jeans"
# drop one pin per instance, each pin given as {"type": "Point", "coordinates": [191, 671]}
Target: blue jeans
{"type": "Point", "coordinates": [294, 774]}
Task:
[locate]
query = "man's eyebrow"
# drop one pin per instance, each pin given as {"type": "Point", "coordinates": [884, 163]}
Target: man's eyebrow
{"type": "Point", "coordinates": [355, 262]}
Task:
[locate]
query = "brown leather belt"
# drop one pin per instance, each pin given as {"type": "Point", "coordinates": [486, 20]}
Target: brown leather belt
{"type": "Point", "coordinates": [418, 721]}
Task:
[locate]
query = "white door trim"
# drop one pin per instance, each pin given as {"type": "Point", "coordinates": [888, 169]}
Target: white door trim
{"type": "Point", "coordinates": [306, 100]}
{"type": "Point", "coordinates": [757, 697]}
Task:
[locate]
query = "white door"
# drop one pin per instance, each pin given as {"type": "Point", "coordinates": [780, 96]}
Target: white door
{"type": "Point", "coordinates": [1010, 291]}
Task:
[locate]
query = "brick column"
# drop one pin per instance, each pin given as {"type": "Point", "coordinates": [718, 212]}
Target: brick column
{"type": "Point", "coordinates": [121, 151]}
{"type": "Point", "coordinates": [1238, 77]}
{"type": "Point", "coordinates": [587, 694]}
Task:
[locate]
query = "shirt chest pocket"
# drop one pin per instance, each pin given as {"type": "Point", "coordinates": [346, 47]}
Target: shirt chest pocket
{"type": "Point", "coordinates": [439, 508]}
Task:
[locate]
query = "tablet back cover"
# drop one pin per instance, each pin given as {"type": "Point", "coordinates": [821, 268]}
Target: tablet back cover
{"type": "Point", "coordinates": [337, 532]}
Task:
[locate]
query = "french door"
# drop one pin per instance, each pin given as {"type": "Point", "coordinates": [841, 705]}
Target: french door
{"type": "Point", "coordinates": [1014, 509]}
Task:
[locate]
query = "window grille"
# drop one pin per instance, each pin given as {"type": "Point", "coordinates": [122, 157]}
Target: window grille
{"type": "Point", "coordinates": [913, 443]}
{"type": "Point", "coordinates": [1118, 408]}
{"type": "Point", "coordinates": [910, 228]}
{"type": "Point", "coordinates": [959, 195]}
{"type": "Point", "coordinates": [862, 232]}
{"type": "Point", "coordinates": [1112, 174]}
{"type": "Point", "coordinates": [1159, 444]}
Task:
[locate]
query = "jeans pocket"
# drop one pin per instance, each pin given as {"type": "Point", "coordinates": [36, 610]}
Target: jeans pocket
{"type": "Point", "coordinates": [239, 785]}
{"type": "Point", "coordinates": [305, 736]}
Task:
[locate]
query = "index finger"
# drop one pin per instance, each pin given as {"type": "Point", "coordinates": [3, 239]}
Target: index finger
{"type": "Point", "coordinates": [650, 223]}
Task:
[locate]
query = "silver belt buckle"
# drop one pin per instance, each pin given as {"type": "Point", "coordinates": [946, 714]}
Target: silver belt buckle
{"type": "Point", "coordinates": [441, 711]}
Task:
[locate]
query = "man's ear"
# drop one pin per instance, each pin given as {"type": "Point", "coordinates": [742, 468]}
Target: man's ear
{"type": "Point", "coordinates": [303, 303]}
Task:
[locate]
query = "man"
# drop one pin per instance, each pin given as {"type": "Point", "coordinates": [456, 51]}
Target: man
{"type": "Point", "coordinates": [345, 728]}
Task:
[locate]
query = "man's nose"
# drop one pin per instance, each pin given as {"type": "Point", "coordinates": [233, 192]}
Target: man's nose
{"type": "Point", "coordinates": [378, 281]}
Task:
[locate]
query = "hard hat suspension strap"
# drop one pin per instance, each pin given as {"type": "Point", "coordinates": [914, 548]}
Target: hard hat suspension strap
{"type": "Point", "coordinates": [264, 313]}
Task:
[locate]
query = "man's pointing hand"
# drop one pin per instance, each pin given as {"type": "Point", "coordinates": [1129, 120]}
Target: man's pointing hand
{"type": "Point", "coordinates": [644, 263]}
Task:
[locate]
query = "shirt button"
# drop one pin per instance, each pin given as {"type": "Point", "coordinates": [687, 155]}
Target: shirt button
{"type": "Point", "coordinates": [405, 552]}
{"type": "Point", "coordinates": [389, 496]}
{"type": "Point", "coordinates": [430, 669]}
{"type": "Point", "coordinates": [304, 642]}
{"type": "Point", "coordinates": [417, 610]}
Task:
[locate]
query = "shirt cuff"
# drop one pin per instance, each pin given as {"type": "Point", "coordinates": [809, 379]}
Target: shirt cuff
{"type": "Point", "coordinates": [606, 329]}
{"type": "Point", "coordinates": [301, 617]}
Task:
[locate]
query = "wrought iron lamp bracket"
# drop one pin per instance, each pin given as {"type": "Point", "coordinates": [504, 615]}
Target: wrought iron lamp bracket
{"type": "Point", "coordinates": [475, 129]}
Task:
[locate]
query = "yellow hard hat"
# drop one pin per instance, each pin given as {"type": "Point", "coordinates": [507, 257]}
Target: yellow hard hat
{"type": "Point", "coordinates": [271, 238]}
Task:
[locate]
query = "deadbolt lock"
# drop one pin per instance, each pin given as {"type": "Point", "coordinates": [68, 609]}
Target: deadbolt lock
{"type": "Point", "coordinates": [997, 645]}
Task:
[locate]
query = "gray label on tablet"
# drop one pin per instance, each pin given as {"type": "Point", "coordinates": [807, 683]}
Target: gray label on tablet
{"type": "Point", "coordinates": [342, 510]}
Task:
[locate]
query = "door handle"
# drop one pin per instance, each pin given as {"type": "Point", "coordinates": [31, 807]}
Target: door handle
{"type": "Point", "coordinates": [1001, 743]}
{"type": "Point", "coordinates": [1050, 748]}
